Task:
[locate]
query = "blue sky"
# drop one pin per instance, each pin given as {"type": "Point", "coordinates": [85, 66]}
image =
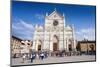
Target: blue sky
{"type": "Point", "coordinates": [25, 15]}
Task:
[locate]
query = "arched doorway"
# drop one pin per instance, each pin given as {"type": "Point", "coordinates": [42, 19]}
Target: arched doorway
{"type": "Point", "coordinates": [70, 45]}
{"type": "Point", "coordinates": [91, 51]}
{"type": "Point", "coordinates": [91, 47]}
{"type": "Point", "coordinates": [39, 45]}
{"type": "Point", "coordinates": [55, 43]}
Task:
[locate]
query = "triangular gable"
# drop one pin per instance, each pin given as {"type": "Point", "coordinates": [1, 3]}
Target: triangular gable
{"type": "Point", "coordinates": [55, 15]}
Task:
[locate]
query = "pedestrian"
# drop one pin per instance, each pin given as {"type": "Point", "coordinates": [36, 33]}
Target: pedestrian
{"type": "Point", "coordinates": [23, 58]}
{"type": "Point", "coordinates": [45, 54]}
{"type": "Point", "coordinates": [32, 57]}
{"type": "Point", "coordinates": [37, 56]}
{"type": "Point", "coordinates": [42, 56]}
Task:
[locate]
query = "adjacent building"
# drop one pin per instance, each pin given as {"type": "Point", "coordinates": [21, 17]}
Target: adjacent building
{"type": "Point", "coordinates": [26, 47]}
{"type": "Point", "coordinates": [19, 46]}
{"type": "Point", "coordinates": [87, 47]}
{"type": "Point", "coordinates": [15, 46]}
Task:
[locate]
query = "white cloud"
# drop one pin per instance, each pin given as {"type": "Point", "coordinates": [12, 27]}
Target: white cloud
{"type": "Point", "coordinates": [22, 29]}
{"type": "Point", "coordinates": [87, 33]}
{"type": "Point", "coordinates": [39, 16]}
{"type": "Point", "coordinates": [27, 25]}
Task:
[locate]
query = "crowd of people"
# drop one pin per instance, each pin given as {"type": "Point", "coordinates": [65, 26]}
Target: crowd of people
{"type": "Point", "coordinates": [34, 55]}
{"type": "Point", "coordinates": [44, 54]}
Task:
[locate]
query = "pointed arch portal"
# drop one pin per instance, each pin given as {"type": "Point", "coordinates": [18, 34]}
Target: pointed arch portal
{"type": "Point", "coordinates": [55, 43]}
{"type": "Point", "coordinates": [39, 45]}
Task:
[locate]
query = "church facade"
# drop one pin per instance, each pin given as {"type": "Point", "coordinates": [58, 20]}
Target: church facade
{"type": "Point", "coordinates": [55, 34]}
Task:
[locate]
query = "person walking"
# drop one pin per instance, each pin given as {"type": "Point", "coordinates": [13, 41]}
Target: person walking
{"type": "Point", "coordinates": [45, 54]}
{"type": "Point", "coordinates": [37, 56]}
{"type": "Point", "coordinates": [42, 56]}
{"type": "Point", "coordinates": [32, 57]}
{"type": "Point", "coordinates": [23, 58]}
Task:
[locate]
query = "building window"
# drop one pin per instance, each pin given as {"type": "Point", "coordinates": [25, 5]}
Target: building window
{"type": "Point", "coordinates": [55, 23]}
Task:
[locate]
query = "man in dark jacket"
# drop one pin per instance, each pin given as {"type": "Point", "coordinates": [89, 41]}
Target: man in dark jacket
{"type": "Point", "coordinates": [32, 57]}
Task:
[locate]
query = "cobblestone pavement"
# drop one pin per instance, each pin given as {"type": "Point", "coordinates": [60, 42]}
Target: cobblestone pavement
{"type": "Point", "coordinates": [18, 61]}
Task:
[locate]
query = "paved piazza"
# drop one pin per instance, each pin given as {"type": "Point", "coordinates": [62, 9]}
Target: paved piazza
{"type": "Point", "coordinates": [18, 61]}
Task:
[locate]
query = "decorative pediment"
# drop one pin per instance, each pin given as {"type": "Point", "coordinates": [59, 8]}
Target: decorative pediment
{"type": "Point", "coordinates": [68, 28]}
{"type": "Point", "coordinates": [55, 15]}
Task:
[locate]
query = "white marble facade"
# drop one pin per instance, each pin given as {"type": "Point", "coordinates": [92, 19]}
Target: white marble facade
{"type": "Point", "coordinates": [55, 34]}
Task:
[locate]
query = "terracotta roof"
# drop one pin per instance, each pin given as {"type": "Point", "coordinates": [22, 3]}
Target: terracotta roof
{"type": "Point", "coordinates": [87, 41]}
{"type": "Point", "coordinates": [16, 38]}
